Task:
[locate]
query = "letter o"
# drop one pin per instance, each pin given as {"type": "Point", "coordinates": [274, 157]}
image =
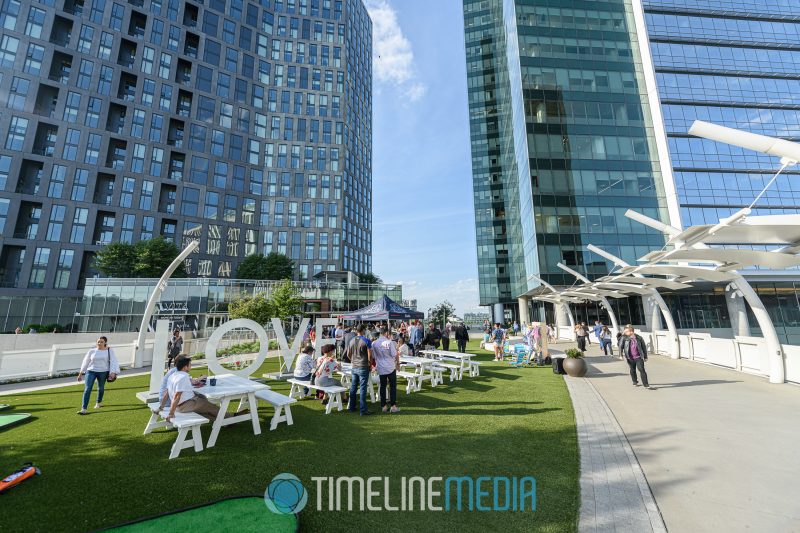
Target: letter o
{"type": "Point", "coordinates": [213, 343]}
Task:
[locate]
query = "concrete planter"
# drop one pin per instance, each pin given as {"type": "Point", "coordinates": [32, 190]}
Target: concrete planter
{"type": "Point", "coordinates": [575, 367]}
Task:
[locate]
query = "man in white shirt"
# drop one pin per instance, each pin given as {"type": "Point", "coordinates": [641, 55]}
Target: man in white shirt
{"type": "Point", "coordinates": [384, 351]}
{"type": "Point", "coordinates": [181, 391]}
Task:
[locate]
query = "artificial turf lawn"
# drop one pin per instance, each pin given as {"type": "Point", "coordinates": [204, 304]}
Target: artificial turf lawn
{"type": "Point", "coordinates": [100, 471]}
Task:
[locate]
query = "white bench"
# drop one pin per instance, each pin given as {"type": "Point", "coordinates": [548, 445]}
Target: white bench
{"type": "Point", "coordinates": [412, 380]}
{"type": "Point", "coordinates": [455, 370]}
{"type": "Point", "coordinates": [347, 379]}
{"type": "Point", "coordinates": [282, 405]}
{"type": "Point", "coordinates": [474, 368]}
{"type": "Point", "coordinates": [334, 393]}
{"type": "Point", "coordinates": [185, 423]}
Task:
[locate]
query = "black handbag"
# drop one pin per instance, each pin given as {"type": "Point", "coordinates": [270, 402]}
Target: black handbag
{"type": "Point", "coordinates": [111, 376]}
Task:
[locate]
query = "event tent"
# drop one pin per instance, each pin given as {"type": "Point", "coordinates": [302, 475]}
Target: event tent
{"type": "Point", "coordinates": [384, 308]}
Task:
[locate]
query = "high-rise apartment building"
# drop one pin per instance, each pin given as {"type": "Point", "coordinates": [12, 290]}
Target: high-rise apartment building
{"type": "Point", "coordinates": [246, 125]}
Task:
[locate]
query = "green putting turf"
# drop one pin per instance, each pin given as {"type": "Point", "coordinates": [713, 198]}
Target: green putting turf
{"type": "Point", "coordinates": [237, 514]}
{"type": "Point", "coordinates": [7, 421]}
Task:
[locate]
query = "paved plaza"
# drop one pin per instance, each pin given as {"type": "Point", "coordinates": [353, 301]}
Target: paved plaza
{"type": "Point", "coordinates": [717, 447]}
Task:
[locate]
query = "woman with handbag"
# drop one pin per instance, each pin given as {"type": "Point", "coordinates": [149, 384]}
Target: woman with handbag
{"type": "Point", "coordinates": [101, 365]}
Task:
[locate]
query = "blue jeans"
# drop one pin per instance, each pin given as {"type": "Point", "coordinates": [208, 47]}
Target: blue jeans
{"type": "Point", "coordinates": [90, 378]}
{"type": "Point", "coordinates": [307, 377]}
{"type": "Point", "coordinates": [358, 380]}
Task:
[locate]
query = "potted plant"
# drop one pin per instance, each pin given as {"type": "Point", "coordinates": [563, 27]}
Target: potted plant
{"type": "Point", "coordinates": [574, 364]}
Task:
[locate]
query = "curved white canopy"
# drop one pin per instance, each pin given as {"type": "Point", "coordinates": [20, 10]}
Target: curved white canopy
{"type": "Point", "coordinates": [735, 256]}
{"type": "Point", "coordinates": [658, 283]}
{"type": "Point", "coordinates": [767, 229]}
{"type": "Point", "coordinates": [681, 270]}
{"type": "Point", "coordinates": [626, 288]}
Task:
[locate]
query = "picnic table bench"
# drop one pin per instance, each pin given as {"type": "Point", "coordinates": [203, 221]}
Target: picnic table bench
{"type": "Point", "coordinates": [334, 393]}
{"type": "Point", "coordinates": [282, 405]}
{"type": "Point", "coordinates": [186, 423]}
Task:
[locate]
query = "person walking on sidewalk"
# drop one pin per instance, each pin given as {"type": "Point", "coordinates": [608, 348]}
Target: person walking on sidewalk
{"type": "Point", "coordinates": [634, 350]}
{"type": "Point", "coordinates": [581, 335]}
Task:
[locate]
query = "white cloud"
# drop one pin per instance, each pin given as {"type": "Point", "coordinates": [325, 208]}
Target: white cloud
{"type": "Point", "coordinates": [392, 55]}
{"type": "Point", "coordinates": [463, 294]}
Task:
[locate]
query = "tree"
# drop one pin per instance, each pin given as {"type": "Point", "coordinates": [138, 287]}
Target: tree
{"type": "Point", "coordinates": [153, 256]}
{"type": "Point", "coordinates": [370, 278]}
{"type": "Point", "coordinates": [116, 260]}
{"type": "Point", "coordinates": [253, 266]}
{"type": "Point", "coordinates": [441, 311]}
{"type": "Point", "coordinates": [285, 301]}
{"type": "Point", "coordinates": [145, 259]}
{"type": "Point", "coordinates": [278, 266]}
{"type": "Point", "coordinates": [256, 308]}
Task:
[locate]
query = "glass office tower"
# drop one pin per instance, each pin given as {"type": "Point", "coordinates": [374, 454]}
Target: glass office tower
{"type": "Point", "coordinates": [566, 136]}
{"type": "Point", "coordinates": [246, 125]}
{"type": "Point", "coordinates": [734, 63]}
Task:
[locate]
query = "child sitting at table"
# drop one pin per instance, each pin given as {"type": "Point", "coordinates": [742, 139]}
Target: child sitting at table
{"type": "Point", "coordinates": [328, 365]}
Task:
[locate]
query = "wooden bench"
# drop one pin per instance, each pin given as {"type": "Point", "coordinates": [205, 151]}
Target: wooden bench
{"type": "Point", "coordinates": [185, 423]}
{"type": "Point", "coordinates": [334, 393]}
{"type": "Point", "coordinates": [282, 405]}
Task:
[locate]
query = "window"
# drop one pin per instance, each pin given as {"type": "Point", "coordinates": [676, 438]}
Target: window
{"type": "Point", "coordinates": [126, 230]}
{"type": "Point", "coordinates": [39, 269]}
{"type": "Point", "coordinates": [98, 8]}
{"type": "Point", "coordinates": [211, 210]}
{"type": "Point", "coordinates": [57, 213]}
{"type": "Point", "coordinates": [148, 56]}
{"type": "Point", "coordinates": [33, 28]}
{"type": "Point", "coordinates": [148, 223]}
{"type": "Point", "coordinates": [92, 149]}
{"type": "Point", "coordinates": [72, 107]}
{"type": "Point", "coordinates": [137, 124]}
{"type": "Point", "coordinates": [137, 159]}
{"type": "Point", "coordinates": [156, 161]}
{"type": "Point", "coordinates": [156, 124]}
{"type": "Point", "coordinates": [63, 269]}
{"type": "Point", "coordinates": [79, 183]}
{"type": "Point", "coordinates": [104, 83]}
{"type": "Point", "coordinates": [190, 201]}
{"type": "Point", "coordinates": [16, 96]}
{"type": "Point", "coordinates": [93, 113]}
{"type": "Point", "coordinates": [9, 11]}
{"type": "Point", "coordinates": [4, 203]}
{"type": "Point", "coordinates": [165, 66]}
{"type": "Point", "coordinates": [84, 73]}
{"type": "Point", "coordinates": [33, 60]}
{"type": "Point", "coordinates": [148, 92]}
{"type": "Point", "coordinates": [5, 168]}
{"type": "Point", "coordinates": [57, 178]}
{"type": "Point", "coordinates": [8, 52]}
{"type": "Point", "coordinates": [126, 196]}
{"type": "Point", "coordinates": [106, 43]}
{"type": "Point", "coordinates": [146, 196]}
{"type": "Point", "coordinates": [16, 133]}
{"type": "Point", "coordinates": [85, 40]}
{"type": "Point", "coordinates": [117, 14]}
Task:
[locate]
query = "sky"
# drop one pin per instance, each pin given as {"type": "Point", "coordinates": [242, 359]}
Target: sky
{"type": "Point", "coordinates": [423, 231]}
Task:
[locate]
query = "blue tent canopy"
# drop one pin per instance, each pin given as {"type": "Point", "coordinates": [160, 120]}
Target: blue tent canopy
{"type": "Point", "coordinates": [384, 308]}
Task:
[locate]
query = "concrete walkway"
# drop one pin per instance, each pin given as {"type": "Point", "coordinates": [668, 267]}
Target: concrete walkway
{"type": "Point", "coordinates": [719, 448]}
{"type": "Point", "coordinates": [614, 492]}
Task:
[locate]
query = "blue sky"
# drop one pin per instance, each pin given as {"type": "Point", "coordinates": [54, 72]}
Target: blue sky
{"type": "Point", "coordinates": [423, 225]}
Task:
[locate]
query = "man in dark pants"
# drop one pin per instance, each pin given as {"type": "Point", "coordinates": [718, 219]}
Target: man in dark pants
{"type": "Point", "coordinates": [359, 352]}
{"type": "Point", "coordinates": [462, 336]}
{"type": "Point", "coordinates": [634, 350]}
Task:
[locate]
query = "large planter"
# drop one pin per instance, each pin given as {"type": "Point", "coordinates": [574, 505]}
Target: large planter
{"type": "Point", "coordinates": [575, 367]}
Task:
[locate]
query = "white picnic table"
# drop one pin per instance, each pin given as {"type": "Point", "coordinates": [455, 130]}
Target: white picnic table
{"type": "Point", "coordinates": [425, 365]}
{"type": "Point", "coordinates": [230, 387]}
{"type": "Point", "coordinates": [464, 358]}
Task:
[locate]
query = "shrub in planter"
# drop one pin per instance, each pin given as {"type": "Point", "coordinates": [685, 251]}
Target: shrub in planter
{"type": "Point", "coordinates": [575, 365]}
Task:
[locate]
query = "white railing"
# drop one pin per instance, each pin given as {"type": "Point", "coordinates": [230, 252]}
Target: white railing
{"type": "Point", "coordinates": [59, 359]}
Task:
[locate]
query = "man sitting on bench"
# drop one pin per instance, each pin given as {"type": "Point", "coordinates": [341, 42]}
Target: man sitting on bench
{"type": "Point", "coordinates": [184, 398]}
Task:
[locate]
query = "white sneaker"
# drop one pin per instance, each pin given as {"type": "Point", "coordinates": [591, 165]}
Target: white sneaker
{"type": "Point", "coordinates": [82, 412]}
{"type": "Point", "coordinates": [98, 405]}
{"type": "Point", "coordinates": [394, 409]}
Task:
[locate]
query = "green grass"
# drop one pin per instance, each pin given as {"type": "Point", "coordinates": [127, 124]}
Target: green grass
{"type": "Point", "coordinates": [100, 471]}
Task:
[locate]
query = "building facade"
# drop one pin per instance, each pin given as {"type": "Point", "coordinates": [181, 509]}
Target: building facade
{"type": "Point", "coordinates": [565, 138]}
{"type": "Point", "coordinates": [735, 63]}
{"type": "Point", "coordinates": [246, 125]}
{"type": "Point", "coordinates": [609, 90]}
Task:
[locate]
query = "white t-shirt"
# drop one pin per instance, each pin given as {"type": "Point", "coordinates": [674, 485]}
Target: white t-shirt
{"type": "Point", "coordinates": [180, 382]}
